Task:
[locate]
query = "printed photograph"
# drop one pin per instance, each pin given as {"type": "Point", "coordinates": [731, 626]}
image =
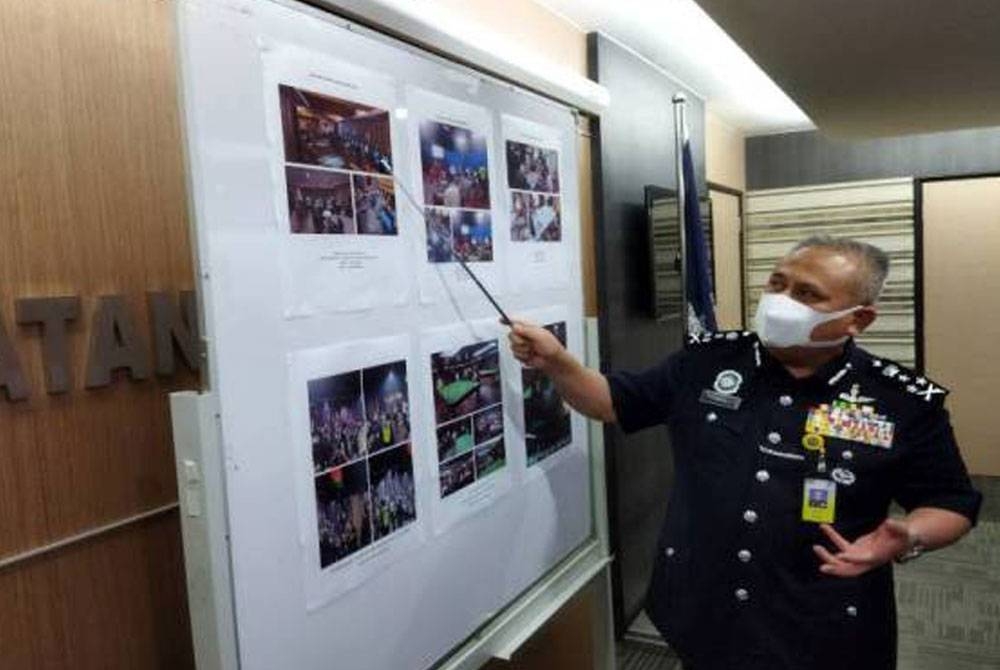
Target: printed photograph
{"type": "Point", "coordinates": [343, 512]}
{"type": "Point", "coordinates": [375, 205]}
{"type": "Point", "coordinates": [439, 240]}
{"type": "Point", "coordinates": [387, 408]}
{"type": "Point", "coordinates": [532, 168]}
{"type": "Point", "coordinates": [334, 133]}
{"type": "Point", "coordinates": [488, 424]}
{"type": "Point", "coordinates": [466, 380]}
{"type": "Point", "coordinates": [490, 457]}
{"type": "Point", "coordinates": [469, 414]}
{"type": "Point", "coordinates": [547, 420]}
{"type": "Point", "coordinates": [336, 420]}
{"type": "Point", "coordinates": [455, 166]}
{"type": "Point", "coordinates": [457, 473]}
{"type": "Point", "coordinates": [472, 236]}
{"type": "Point", "coordinates": [535, 217]}
{"type": "Point", "coordinates": [319, 202]}
{"type": "Point", "coordinates": [458, 234]}
{"type": "Point", "coordinates": [392, 490]}
{"type": "Point", "coordinates": [454, 439]}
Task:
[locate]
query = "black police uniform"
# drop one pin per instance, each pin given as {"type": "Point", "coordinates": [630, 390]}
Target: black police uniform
{"type": "Point", "coordinates": [736, 584]}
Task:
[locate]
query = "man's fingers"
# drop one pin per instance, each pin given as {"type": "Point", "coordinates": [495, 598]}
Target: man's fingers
{"type": "Point", "coordinates": [832, 565]}
{"type": "Point", "coordinates": [825, 555]}
{"type": "Point", "coordinates": [835, 537]}
{"type": "Point", "coordinates": [857, 558]}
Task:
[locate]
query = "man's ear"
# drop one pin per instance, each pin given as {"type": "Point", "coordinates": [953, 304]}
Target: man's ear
{"type": "Point", "coordinates": [862, 318]}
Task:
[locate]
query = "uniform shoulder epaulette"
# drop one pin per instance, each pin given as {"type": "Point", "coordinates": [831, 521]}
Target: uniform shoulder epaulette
{"type": "Point", "coordinates": [908, 381]}
{"type": "Point", "coordinates": [719, 337]}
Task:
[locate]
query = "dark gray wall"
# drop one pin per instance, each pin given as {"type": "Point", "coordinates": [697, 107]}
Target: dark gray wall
{"type": "Point", "coordinates": [634, 147]}
{"type": "Point", "coordinates": [800, 159]}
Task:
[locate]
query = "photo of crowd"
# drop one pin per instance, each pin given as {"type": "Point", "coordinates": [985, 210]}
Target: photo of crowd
{"type": "Point", "coordinates": [469, 414]}
{"type": "Point", "coordinates": [455, 165]}
{"type": "Point", "coordinates": [393, 493]}
{"type": "Point", "coordinates": [532, 168]}
{"type": "Point", "coordinates": [457, 473]}
{"type": "Point", "coordinates": [319, 202]}
{"type": "Point", "coordinates": [336, 152]}
{"type": "Point", "coordinates": [359, 424]}
{"type": "Point", "coordinates": [375, 204]}
{"type": "Point", "coordinates": [535, 217]}
{"type": "Point", "coordinates": [334, 133]}
{"type": "Point", "coordinates": [458, 234]}
{"type": "Point", "coordinates": [343, 512]}
{"type": "Point", "coordinates": [547, 420]}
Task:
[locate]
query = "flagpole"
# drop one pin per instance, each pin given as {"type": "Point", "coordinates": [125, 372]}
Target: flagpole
{"type": "Point", "coordinates": [680, 104]}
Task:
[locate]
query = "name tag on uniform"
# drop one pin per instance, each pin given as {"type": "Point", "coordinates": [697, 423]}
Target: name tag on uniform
{"type": "Point", "coordinates": [710, 397]}
{"type": "Point", "coordinates": [819, 500]}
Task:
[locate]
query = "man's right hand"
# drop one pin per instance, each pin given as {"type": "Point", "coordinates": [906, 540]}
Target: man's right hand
{"type": "Point", "coordinates": [536, 347]}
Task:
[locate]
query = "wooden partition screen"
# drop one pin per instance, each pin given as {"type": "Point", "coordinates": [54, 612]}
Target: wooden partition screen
{"type": "Point", "coordinates": [92, 204]}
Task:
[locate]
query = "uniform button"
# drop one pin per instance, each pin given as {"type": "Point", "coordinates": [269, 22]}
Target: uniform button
{"type": "Point", "coordinates": [785, 400]}
{"type": "Point", "coordinates": [763, 476]}
{"type": "Point", "coordinates": [711, 417]}
{"type": "Point", "coordinates": [669, 552]}
{"type": "Point", "coordinates": [774, 438]}
{"type": "Point", "coordinates": [852, 610]}
{"type": "Point", "coordinates": [750, 516]}
{"type": "Point", "coordinates": [744, 555]}
{"type": "Point", "coordinates": [742, 595]}
{"type": "Point", "coordinates": [848, 455]}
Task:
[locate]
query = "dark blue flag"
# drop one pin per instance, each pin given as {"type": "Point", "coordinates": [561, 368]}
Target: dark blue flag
{"type": "Point", "coordinates": [701, 312]}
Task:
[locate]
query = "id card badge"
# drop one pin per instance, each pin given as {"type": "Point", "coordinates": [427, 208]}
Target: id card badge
{"type": "Point", "coordinates": [819, 500]}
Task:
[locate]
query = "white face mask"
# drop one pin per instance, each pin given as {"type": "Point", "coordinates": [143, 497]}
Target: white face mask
{"type": "Point", "coordinates": [784, 322]}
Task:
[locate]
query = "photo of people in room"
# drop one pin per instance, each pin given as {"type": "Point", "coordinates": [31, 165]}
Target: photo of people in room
{"type": "Point", "coordinates": [535, 217]}
{"type": "Point", "coordinates": [466, 380]}
{"type": "Point", "coordinates": [319, 202]}
{"type": "Point", "coordinates": [455, 166]}
{"type": "Point", "coordinates": [334, 133]}
{"type": "Point", "coordinates": [532, 168]}
{"type": "Point", "coordinates": [375, 205]}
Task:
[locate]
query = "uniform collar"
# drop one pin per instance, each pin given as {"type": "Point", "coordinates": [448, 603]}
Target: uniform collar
{"type": "Point", "coordinates": [829, 374]}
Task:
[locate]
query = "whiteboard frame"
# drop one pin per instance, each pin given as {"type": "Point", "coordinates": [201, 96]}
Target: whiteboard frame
{"type": "Point", "coordinates": [203, 498]}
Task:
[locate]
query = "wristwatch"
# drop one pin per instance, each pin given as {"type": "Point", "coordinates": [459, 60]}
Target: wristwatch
{"type": "Point", "coordinates": [916, 550]}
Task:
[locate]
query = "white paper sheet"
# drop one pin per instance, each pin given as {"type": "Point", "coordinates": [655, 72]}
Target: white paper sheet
{"type": "Point", "coordinates": [334, 145]}
{"type": "Point", "coordinates": [454, 181]}
{"type": "Point", "coordinates": [358, 463]}
{"type": "Point", "coordinates": [533, 199]}
{"type": "Point", "coordinates": [469, 420]}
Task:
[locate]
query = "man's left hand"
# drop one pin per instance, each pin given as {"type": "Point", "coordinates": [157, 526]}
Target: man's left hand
{"type": "Point", "coordinates": [868, 552]}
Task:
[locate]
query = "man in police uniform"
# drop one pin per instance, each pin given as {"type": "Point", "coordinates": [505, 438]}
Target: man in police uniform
{"type": "Point", "coordinates": [789, 445]}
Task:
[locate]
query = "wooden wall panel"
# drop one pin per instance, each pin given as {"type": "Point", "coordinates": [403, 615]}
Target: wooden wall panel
{"type": "Point", "coordinates": [117, 602]}
{"type": "Point", "coordinates": [92, 202]}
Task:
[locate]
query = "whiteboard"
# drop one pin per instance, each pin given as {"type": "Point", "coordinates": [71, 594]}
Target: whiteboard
{"type": "Point", "coordinates": [458, 569]}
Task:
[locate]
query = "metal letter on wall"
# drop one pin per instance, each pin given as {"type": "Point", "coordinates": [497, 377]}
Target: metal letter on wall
{"type": "Point", "coordinates": [52, 315]}
{"type": "Point", "coordinates": [11, 374]}
{"type": "Point", "coordinates": [114, 343]}
{"type": "Point", "coordinates": [174, 326]}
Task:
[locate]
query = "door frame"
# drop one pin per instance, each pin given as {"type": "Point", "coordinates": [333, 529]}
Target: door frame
{"type": "Point", "coordinates": [918, 255]}
{"type": "Point", "coordinates": [740, 196]}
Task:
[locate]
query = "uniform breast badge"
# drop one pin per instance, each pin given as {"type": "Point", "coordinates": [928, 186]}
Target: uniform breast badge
{"type": "Point", "coordinates": [851, 417]}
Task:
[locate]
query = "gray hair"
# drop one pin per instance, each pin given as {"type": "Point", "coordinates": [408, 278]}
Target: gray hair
{"type": "Point", "coordinates": [873, 261]}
